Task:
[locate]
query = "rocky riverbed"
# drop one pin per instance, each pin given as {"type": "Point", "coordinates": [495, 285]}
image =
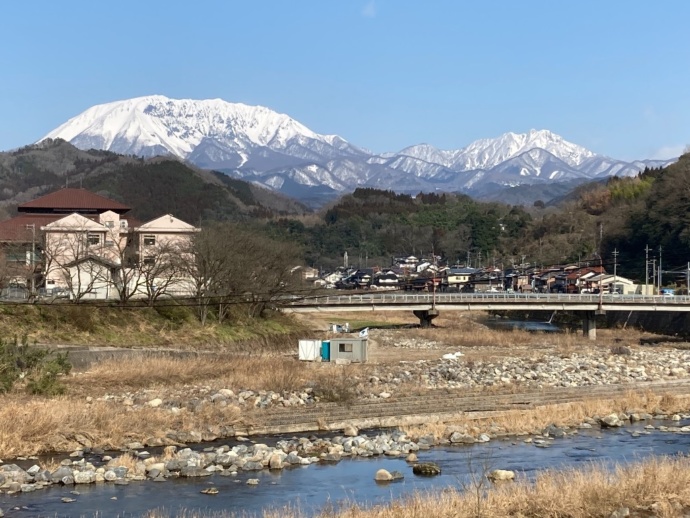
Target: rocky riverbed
{"type": "Point", "coordinates": [540, 369]}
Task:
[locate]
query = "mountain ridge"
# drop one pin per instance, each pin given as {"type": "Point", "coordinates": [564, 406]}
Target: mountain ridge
{"type": "Point", "coordinates": [271, 149]}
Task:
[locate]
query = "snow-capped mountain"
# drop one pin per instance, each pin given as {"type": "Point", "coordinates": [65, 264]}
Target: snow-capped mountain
{"type": "Point", "coordinates": [257, 144]}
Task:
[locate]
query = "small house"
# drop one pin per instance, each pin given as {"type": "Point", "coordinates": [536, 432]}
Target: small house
{"type": "Point", "coordinates": [353, 349]}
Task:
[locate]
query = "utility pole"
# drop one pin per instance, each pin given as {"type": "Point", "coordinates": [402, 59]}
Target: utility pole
{"type": "Point", "coordinates": [646, 270]}
{"type": "Point", "coordinates": [468, 260]}
{"type": "Point", "coordinates": [32, 262]}
{"type": "Point", "coordinates": [653, 276]}
{"type": "Point", "coordinates": [660, 271]}
{"type": "Point", "coordinates": [687, 280]}
{"type": "Point", "coordinates": [615, 265]}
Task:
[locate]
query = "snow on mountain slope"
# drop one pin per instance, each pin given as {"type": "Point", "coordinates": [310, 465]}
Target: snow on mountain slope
{"type": "Point", "coordinates": [145, 125]}
{"type": "Point", "coordinates": [274, 150]}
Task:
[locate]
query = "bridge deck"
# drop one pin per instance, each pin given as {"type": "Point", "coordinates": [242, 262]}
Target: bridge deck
{"type": "Point", "coordinates": [398, 301]}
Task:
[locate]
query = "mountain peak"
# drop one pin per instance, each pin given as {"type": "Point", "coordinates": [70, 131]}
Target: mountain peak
{"type": "Point", "coordinates": [155, 124]}
{"type": "Point", "coordinates": [270, 148]}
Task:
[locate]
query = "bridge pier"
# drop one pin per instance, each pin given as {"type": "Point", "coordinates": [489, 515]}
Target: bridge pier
{"type": "Point", "coordinates": [589, 323]}
{"type": "Point", "coordinates": [425, 316]}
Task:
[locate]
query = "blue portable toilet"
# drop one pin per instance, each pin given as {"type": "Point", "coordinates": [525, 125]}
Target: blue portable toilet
{"type": "Point", "coordinates": [326, 350]}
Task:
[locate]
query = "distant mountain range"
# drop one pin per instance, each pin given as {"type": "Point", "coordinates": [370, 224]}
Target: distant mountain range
{"type": "Point", "coordinates": [256, 144]}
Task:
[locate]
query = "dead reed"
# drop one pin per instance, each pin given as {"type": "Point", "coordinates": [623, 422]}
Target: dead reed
{"type": "Point", "coordinates": [30, 426]}
{"type": "Point", "coordinates": [566, 414]}
{"type": "Point", "coordinates": [253, 372]}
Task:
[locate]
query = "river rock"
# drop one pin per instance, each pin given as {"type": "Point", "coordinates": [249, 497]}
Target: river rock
{"type": "Point", "coordinates": [610, 421]}
{"type": "Point", "coordinates": [498, 475]}
{"type": "Point", "coordinates": [276, 461]}
{"type": "Point", "coordinates": [412, 457]}
{"type": "Point", "coordinates": [253, 482]}
{"type": "Point", "coordinates": [84, 477]}
{"type": "Point", "coordinates": [461, 438]}
{"type": "Point", "coordinates": [350, 431]}
{"type": "Point", "coordinates": [383, 475]}
{"type": "Point", "coordinates": [426, 469]}
{"type": "Point", "coordinates": [60, 473]}
{"type": "Point", "coordinates": [14, 473]}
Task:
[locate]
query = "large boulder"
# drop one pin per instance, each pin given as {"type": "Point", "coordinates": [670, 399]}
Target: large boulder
{"type": "Point", "coordinates": [350, 430]}
{"type": "Point", "coordinates": [426, 469]}
{"type": "Point", "coordinates": [501, 475]}
{"type": "Point", "coordinates": [383, 475]}
{"type": "Point", "coordinates": [610, 421]}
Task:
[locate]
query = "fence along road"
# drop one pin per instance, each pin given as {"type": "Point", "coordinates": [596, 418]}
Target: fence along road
{"type": "Point", "coordinates": [426, 306]}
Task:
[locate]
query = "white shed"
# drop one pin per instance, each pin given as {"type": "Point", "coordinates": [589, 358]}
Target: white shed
{"type": "Point", "coordinates": [310, 350]}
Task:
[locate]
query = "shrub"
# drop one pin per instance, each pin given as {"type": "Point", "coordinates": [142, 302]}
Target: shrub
{"type": "Point", "coordinates": [339, 388]}
{"type": "Point", "coordinates": [176, 314]}
{"type": "Point", "coordinates": [40, 367]}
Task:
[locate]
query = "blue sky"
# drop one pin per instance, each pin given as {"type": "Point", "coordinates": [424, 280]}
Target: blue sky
{"type": "Point", "coordinates": [612, 76]}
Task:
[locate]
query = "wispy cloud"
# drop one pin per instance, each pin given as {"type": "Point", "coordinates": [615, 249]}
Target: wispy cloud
{"type": "Point", "coordinates": [667, 152]}
{"type": "Point", "coordinates": [369, 10]}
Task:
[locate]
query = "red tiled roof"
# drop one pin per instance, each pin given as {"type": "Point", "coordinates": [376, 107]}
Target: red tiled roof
{"type": "Point", "coordinates": [69, 199]}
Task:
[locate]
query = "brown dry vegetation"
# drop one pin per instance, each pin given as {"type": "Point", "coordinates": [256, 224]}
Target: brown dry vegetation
{"type": "Point", "coordinates": [236, 372]}
{"type": "Point", "coordinates": [656, 487]}
{"type": "Point", "coordinates": [30, 426]}
{"type": "Point", "coordinates": [565, 414]}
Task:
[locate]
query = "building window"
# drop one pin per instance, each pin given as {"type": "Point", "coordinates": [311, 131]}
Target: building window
{"type": "Point", "coordinates": [149, 260]}
{"type": "Point", "coordinates": [94, 239]}
{"type": "Point", "coordinates": [110, 224]}
{"type": "Point", "coordinates": [344, 348]}
{"type": "Point", "coordinates": [149, 240]}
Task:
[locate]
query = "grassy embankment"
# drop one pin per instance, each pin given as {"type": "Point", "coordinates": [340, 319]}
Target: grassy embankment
{"type": "Point", "coordinates": [163, 325]}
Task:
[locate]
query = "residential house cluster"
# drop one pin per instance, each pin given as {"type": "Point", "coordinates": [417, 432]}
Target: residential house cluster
{"type": "Point", "coordinates": [418, 274]}
{"type": "Point", "coordinates": [79, 244]}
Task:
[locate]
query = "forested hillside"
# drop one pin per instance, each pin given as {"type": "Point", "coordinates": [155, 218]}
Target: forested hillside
{"type": "Point", "coordinates": [150, 186]}
{"type": "Point", "coordinates": [623, 214]}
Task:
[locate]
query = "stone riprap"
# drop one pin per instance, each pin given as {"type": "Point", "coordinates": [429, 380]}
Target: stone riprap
{"type": "Point", "coordinates": [299, 451]}
{"type": "Point", "coordinates": [596, 367]}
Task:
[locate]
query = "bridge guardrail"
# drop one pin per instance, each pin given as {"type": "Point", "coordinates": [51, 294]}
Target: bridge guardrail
{"type": "Point", "coordinates": [460, 298]}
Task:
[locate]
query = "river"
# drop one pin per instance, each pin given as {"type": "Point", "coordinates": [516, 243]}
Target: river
{"type": "Point", "coordinates": [351, 480]}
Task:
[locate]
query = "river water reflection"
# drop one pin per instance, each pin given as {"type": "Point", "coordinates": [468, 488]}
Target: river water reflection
{"type": "Point", "coordinates": [351, 480]}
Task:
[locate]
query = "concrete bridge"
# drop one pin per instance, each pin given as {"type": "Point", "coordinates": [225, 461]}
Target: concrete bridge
{"type": "Point", "coordinates": [426, 306]}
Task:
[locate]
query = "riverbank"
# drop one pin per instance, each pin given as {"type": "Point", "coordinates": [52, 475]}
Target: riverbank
{"type": "Point", "coordinates": [466, 383]}
{"type": "Point", "coordinates": [260, 473]}
{"type": "Point", "coordinates": [167, 324]}
{"type": "Point", "coordinates": [161, 400]}
{"type": "Point", "coordinates": [656, 487]}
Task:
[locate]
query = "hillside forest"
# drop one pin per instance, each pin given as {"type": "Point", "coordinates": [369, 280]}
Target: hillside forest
{"type": "Point", "coordinates": [598, 223]}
